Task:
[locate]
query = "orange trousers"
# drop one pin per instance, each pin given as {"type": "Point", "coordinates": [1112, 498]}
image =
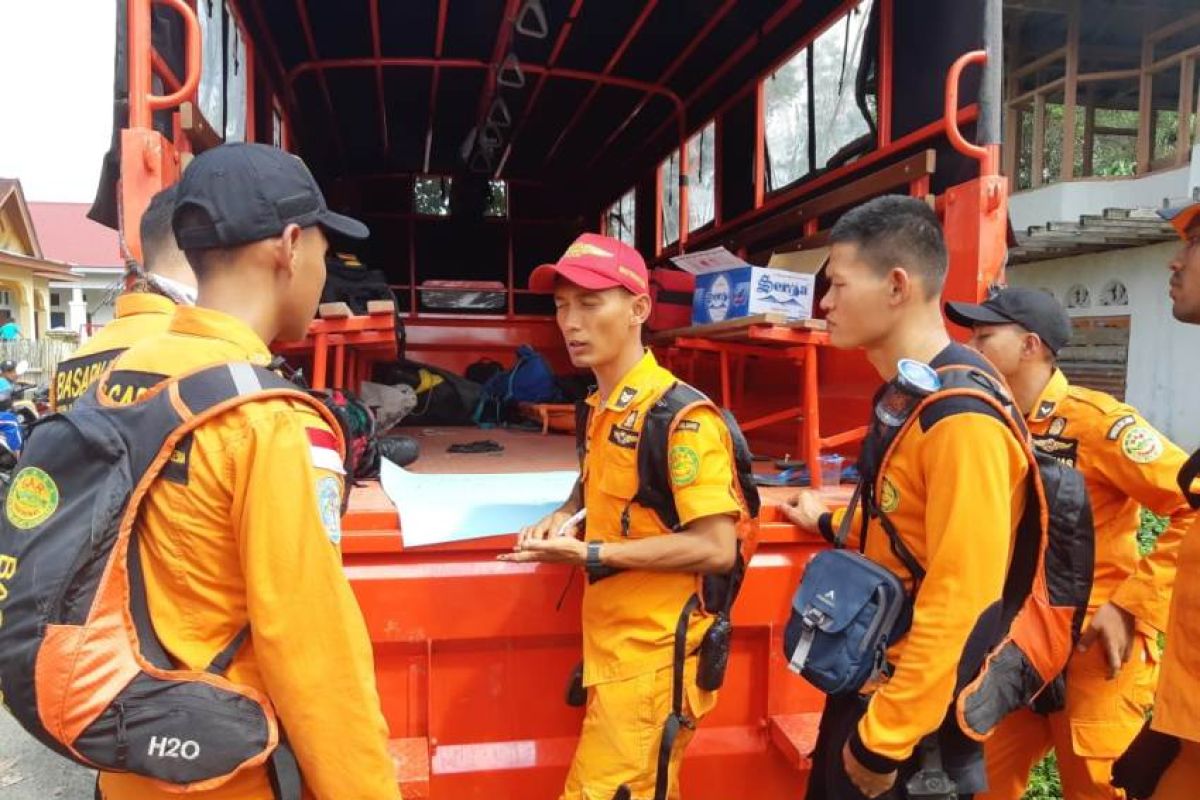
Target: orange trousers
{"type": "Point", "coordinates": [622, 730]}
{"type": "Point", "coordinates": [1101, 718]}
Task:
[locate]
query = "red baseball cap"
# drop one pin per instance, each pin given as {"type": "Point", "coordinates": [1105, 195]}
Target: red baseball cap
{"type": "Point", "coordinates": [594, 262]}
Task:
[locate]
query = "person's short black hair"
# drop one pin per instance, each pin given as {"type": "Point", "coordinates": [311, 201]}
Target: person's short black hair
{"type": "Point", "coordinates": [895, 230]}
{"type": "Point", "coordinates": [155, 229]}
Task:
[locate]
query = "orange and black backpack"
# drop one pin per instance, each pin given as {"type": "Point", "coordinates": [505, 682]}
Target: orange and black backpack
{"type": "Point", "coordinates": [81, 667]}
{"type": "Point", "coordinates": [1021, 645]}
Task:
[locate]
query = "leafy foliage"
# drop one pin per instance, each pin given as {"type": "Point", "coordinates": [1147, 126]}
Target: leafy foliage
{"type": "Point", "coordinates": [1044, 783]}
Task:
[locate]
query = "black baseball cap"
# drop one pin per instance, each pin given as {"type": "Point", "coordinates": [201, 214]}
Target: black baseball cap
{"type": "Point", "coordinates": [251, 192]}
{"type": "Point", "coordinates": [1033, 309]}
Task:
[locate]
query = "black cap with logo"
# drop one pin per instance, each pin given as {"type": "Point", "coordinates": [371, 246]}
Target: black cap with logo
{"type": "Point", "coordinates": [1033, 309]}
{"type": "Point", "coordinates": [251, 192]}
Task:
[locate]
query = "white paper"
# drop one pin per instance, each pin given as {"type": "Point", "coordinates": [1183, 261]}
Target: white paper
{"type": "Point", "coordinates": [440, 508]}
{"type": "Point", "coordinates": [703, 262]}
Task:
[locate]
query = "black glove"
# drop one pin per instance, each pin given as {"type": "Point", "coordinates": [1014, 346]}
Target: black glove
{"type": "Point", "coordinates": [1140, 767]}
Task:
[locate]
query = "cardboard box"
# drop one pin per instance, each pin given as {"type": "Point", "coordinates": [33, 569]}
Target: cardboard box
{"type": "Point", "coordinates": [729, 288]}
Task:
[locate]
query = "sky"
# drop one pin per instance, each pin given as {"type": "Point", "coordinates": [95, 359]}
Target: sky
{"type": "Point", "coordinates": [56, 59]}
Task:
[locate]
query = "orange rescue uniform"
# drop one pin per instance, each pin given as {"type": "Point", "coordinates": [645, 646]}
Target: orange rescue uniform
{"type": "Point", "coordinates": [629, 619]}
{"type": "Point", "coordinates": [1126, 464]}
{"type": "Point", "coordinates": [139, 315]}
{"type": "Point", "coordinates": [242, 528]}
{"type": "Point", "coordinates": [954, 487]}
{"type": "Point", "coordinates": [1177, 703]}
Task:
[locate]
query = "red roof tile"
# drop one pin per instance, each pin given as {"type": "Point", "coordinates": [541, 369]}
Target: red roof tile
{"type": "Point", "coordinates": [66, 234]}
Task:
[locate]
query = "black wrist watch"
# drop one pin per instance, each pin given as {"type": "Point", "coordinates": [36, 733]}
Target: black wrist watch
{"type": "Point", "coordinates": [593, 563]}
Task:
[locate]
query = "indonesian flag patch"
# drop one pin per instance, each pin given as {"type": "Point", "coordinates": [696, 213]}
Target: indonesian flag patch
{"type": "Point", "coordinates": [323, 447]}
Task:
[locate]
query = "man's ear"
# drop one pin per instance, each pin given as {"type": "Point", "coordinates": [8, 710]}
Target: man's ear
{"type": "Point", "coordinates": [900, 285]}
{"type": "Point", "coordinates": [288, 252]}
{"type": "Point", "coordinates": [641, 308]}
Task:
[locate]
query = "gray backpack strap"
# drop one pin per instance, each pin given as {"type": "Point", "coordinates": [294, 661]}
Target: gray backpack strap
{"type": "Point", "coordinates": [211, 387]}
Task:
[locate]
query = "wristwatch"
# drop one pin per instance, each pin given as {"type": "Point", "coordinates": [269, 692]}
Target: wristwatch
{"type": "Point", "coordinates": [593, 563]}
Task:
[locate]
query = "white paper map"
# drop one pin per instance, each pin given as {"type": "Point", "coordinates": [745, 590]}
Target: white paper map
{"type": "Point", "coordinates": [439, 508]}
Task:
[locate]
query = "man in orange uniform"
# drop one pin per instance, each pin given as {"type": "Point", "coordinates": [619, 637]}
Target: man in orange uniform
{"type": "Point", "coordinates": [1126, 464]}
{"type": "Point", "coordinates": [630, 618]}
{"type": "Point", "coordinates": [954, 488]}
{"type": "Point", "coordinates": [1163, 763]}
{"type": "Point", "coordinates": [242, 528]}
{"type": "Point", "coordinates": [166, 279]}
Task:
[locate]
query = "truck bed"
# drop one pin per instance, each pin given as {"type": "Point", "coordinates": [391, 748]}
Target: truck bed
{"type": "Point", "coordinates": [472, 655]}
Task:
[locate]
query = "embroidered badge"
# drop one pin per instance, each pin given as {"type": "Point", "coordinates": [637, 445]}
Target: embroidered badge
{"type": "Point", "coordinates": [685, 465]}
{"type": "Point", "coordinates": [1119, 427]}
{"type": "Point", "coordinates": [1141, 444]}
{"type": "Point", "coordinates": [32, 498]}
{"type": "Point", "coordinates": [625, 398]}
{"type": "Point", "coordinates": [624, 438]}
{"type": "Point", "coordinates": [1065, 451]}
{"type": "Point", "coordinates": [1057, 426]}
{"type": "Point", "coordinates": [889, 497]}
{"type": "Point", "coordinates": [329, 505]}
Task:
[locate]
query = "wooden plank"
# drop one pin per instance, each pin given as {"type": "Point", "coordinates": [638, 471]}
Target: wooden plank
{"type": "Point", "coordinates": [1172, 28]}
{"type": "Point", "coordinates": [1107, 75]}
{"type": "Point", "coordinates": [899, 174]}
{"type": "Point", "coordinates": [1039, 139]}
{"type": "Point", "coordinates": [1145, 142]}
{"type": "Point", "coordinates": [738, 326]}
{"type": "Point", "coordinates": [196, 128]}
{"type": "Point", "coordinates": [1039, 62]}
{"type": "Point", "coordinates": [1089, 139]}
{"type": "Point", "coordinates": [1070, 91]}
{"type": "Point", "coordinates": [1032, 94]}
{"type": "Point", "coordinates": [334, 311]}
{"type": "Point", "coordinates": [1187, 96]}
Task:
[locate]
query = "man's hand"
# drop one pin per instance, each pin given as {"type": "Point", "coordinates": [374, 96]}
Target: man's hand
{"type": "Point", "coordinates": [555, 550]}
{"type": "Point", "coordinates": [546, 527]}
{"type": "Point", "coordinates": [872, 784]}
{"type": "Point", "coordinates": [1113, 626]}
{"type": "Point", "coordinates": [805, 509]}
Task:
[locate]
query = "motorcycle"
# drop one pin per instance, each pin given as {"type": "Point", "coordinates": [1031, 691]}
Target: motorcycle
{"type": "Point", "coordinates": [20, 408]}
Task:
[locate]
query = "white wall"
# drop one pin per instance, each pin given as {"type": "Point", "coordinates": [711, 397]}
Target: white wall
{"type": "Point", "coordinates": [1164, 355]}
{"type": "Point", "coordinates": [1067, 202]}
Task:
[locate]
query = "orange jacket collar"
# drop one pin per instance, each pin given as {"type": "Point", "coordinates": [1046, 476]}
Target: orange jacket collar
{"type": "Point", "coordinates": [645, 376]}
{"type": "Point", "coordinates": [143, 303]}
{"type": "Point", "coordinates": [213, 324]}
{"type": "Point", "coordinates": [1054, 393]}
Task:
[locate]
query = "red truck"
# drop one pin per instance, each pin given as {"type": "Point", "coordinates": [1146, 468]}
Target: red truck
{"type": "Point", "coordinates": [478, 138]}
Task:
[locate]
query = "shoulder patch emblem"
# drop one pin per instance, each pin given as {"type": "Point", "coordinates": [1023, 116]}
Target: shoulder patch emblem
{"type": "Point", "coordinates": [1141, 444]}
{"type": "Point", "coordinates": [1057, 426]}
{"type": "Point", "coordinates": [329, 505]}
{"type": "Point", "coordinates": [1120, 425]}
{"type": "Point", "coordinates": [685, 465]}
{"type": "Point", "coordinates": [689, 426]}
{"type": "Point", "coordinates": [32, 498]}
{"type": "Point", "coordinates": [630, 421]}
{"type": "Point", "coordinates": [1046, 409]}
{"type": "Point", "coordinates": [889, 497]}
{"type": "Point", "coordinates": [625, 398]}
